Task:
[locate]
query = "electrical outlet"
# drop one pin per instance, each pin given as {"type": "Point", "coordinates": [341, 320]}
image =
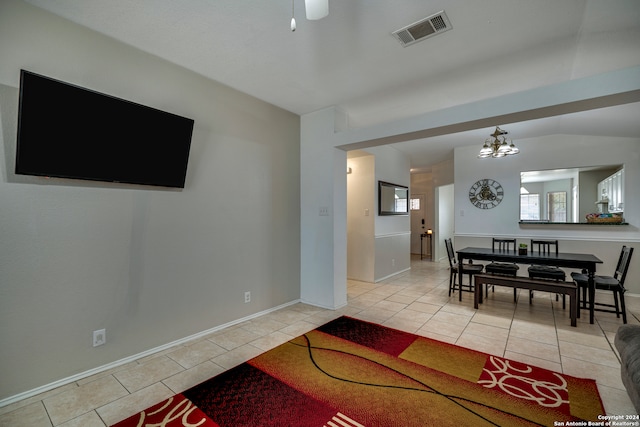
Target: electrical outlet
{"type": "Point", "coordinates": [393, 263]}
{"type": "Point", "coordinates": [99, 337]}
{"type": "Point", "coordinates": [247, 297]}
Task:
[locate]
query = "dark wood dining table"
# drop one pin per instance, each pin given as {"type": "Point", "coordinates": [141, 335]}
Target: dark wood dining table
{"type": "Point", "coordinates": [586, 262]}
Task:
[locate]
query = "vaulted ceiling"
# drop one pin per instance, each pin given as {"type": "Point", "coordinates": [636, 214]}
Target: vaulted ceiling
{"type": "Point", "coordinates": [351, 60]}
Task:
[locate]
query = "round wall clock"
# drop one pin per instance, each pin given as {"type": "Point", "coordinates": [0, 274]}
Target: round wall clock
{"type": "Point", "coordinates": [486, 194]}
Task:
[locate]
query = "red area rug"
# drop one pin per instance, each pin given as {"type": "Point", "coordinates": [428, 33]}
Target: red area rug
{"type": "Point", "coordinates": [352, 373]}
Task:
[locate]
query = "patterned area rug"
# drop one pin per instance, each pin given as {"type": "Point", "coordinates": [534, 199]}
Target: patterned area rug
{"type": "Point", "coordinates": [353, 373]}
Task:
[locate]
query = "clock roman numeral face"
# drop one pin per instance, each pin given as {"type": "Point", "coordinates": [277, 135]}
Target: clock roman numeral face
{"type": "Point", "coordinates": [486, 194]}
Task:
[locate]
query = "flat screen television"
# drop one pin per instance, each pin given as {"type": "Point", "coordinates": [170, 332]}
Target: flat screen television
{"type": "Point", "coordinates": [66, 131]}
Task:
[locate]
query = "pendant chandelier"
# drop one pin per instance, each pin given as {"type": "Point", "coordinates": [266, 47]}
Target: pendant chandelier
{"type": "Point", "coordinates": [493, 147]}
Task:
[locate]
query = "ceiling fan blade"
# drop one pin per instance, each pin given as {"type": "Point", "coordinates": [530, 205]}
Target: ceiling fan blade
{"type": "Point", "coordinates": [316, 9]}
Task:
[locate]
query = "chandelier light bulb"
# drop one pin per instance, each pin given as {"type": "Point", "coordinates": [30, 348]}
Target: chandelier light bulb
{"type": "Point", "coordinates": [513, 148]}
{"type": "Point", "coordinates": [486, 150]}
{"type": "Point", "coordinates": [293, 24]}
{"type": "Point", "coordinates": [504, 147]}
{"type": "Point", "coordinates": [493, 147]}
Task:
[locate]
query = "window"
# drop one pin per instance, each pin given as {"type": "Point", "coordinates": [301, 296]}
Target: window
{"type": "Point", "coordinates": [557, 206]}
{"type": "Point", "coordinates": [530, 207]}
{"type": "Point", "coordinates": [400, 204]}
{"type": "Point", "coordinates": [415, 204]}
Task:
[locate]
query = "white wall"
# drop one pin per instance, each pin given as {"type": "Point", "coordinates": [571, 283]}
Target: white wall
{"type": "Point", "coordinates": [323, 184]}
{"type": "Point", "coordinates": [393, 233]}
{"type": "Point", "coordinates": [475, 227]}
{"type": "Point", "coordinates": [361, 214]}
{"type": "Point", "coordinates": [150, 266]}
{"type": "Point", "coordinates": [391, 166]}
{"type": "Point", "coordinates": [445, 220]}
{"type": "Point", "coordinates": [378, 246]}
{"type": "Point", "coordinates": [392, 255]}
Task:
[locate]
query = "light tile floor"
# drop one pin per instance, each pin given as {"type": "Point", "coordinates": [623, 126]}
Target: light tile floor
{"type": "Point", "coordinates": [416, 301]}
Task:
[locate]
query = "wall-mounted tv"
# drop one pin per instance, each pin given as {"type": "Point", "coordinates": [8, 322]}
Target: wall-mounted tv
{"type": "Point", "coordinates": [66, 131]}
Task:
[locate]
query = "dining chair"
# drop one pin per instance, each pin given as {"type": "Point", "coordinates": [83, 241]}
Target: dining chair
{"type": "Point", "coordinates": [545, 247]}
{"type": "Point", "coordinates": [613, 283]}
{"type": "Point", "coordinates": [469, 269]}
{"type": "Point", "coordinates": [503, 268]}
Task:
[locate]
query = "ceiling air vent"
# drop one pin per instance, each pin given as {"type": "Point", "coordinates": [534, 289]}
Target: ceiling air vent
{"type": "Point", "coordinates": [423, 29]}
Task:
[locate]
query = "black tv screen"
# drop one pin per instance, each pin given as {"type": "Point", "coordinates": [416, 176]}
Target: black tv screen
{"type": "Point", "coordinates": [67, 131]}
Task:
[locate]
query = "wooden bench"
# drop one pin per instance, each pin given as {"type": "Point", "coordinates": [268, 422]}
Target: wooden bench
{"type": "Point", "coordinates": [566, 288]}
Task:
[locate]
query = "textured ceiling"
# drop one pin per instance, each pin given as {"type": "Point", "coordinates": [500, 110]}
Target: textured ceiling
{"type": "Point", "coordinates": [350, 59]}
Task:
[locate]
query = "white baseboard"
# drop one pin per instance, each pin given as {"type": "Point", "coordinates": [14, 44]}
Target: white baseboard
{"type": "Point", "coordinates": [395, 273]}
{"type": "Point", "coordinates": [99, 369]}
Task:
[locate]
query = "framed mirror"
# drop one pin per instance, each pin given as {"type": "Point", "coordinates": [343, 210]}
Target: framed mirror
{"type": "Point", "coordinates": [393, 199]}
{"type": "Point", "coordinates": [569, 195]}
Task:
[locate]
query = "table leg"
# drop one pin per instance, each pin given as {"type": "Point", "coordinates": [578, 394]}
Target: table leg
{"type": "Point", "coordinates": [592, 294]}
{"type": "Point", "coordinates": [461, 273]}
{"type": "Point", "coordinates": [476, 296]}
{"type": "Point", "coordinates": [573, 306]}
